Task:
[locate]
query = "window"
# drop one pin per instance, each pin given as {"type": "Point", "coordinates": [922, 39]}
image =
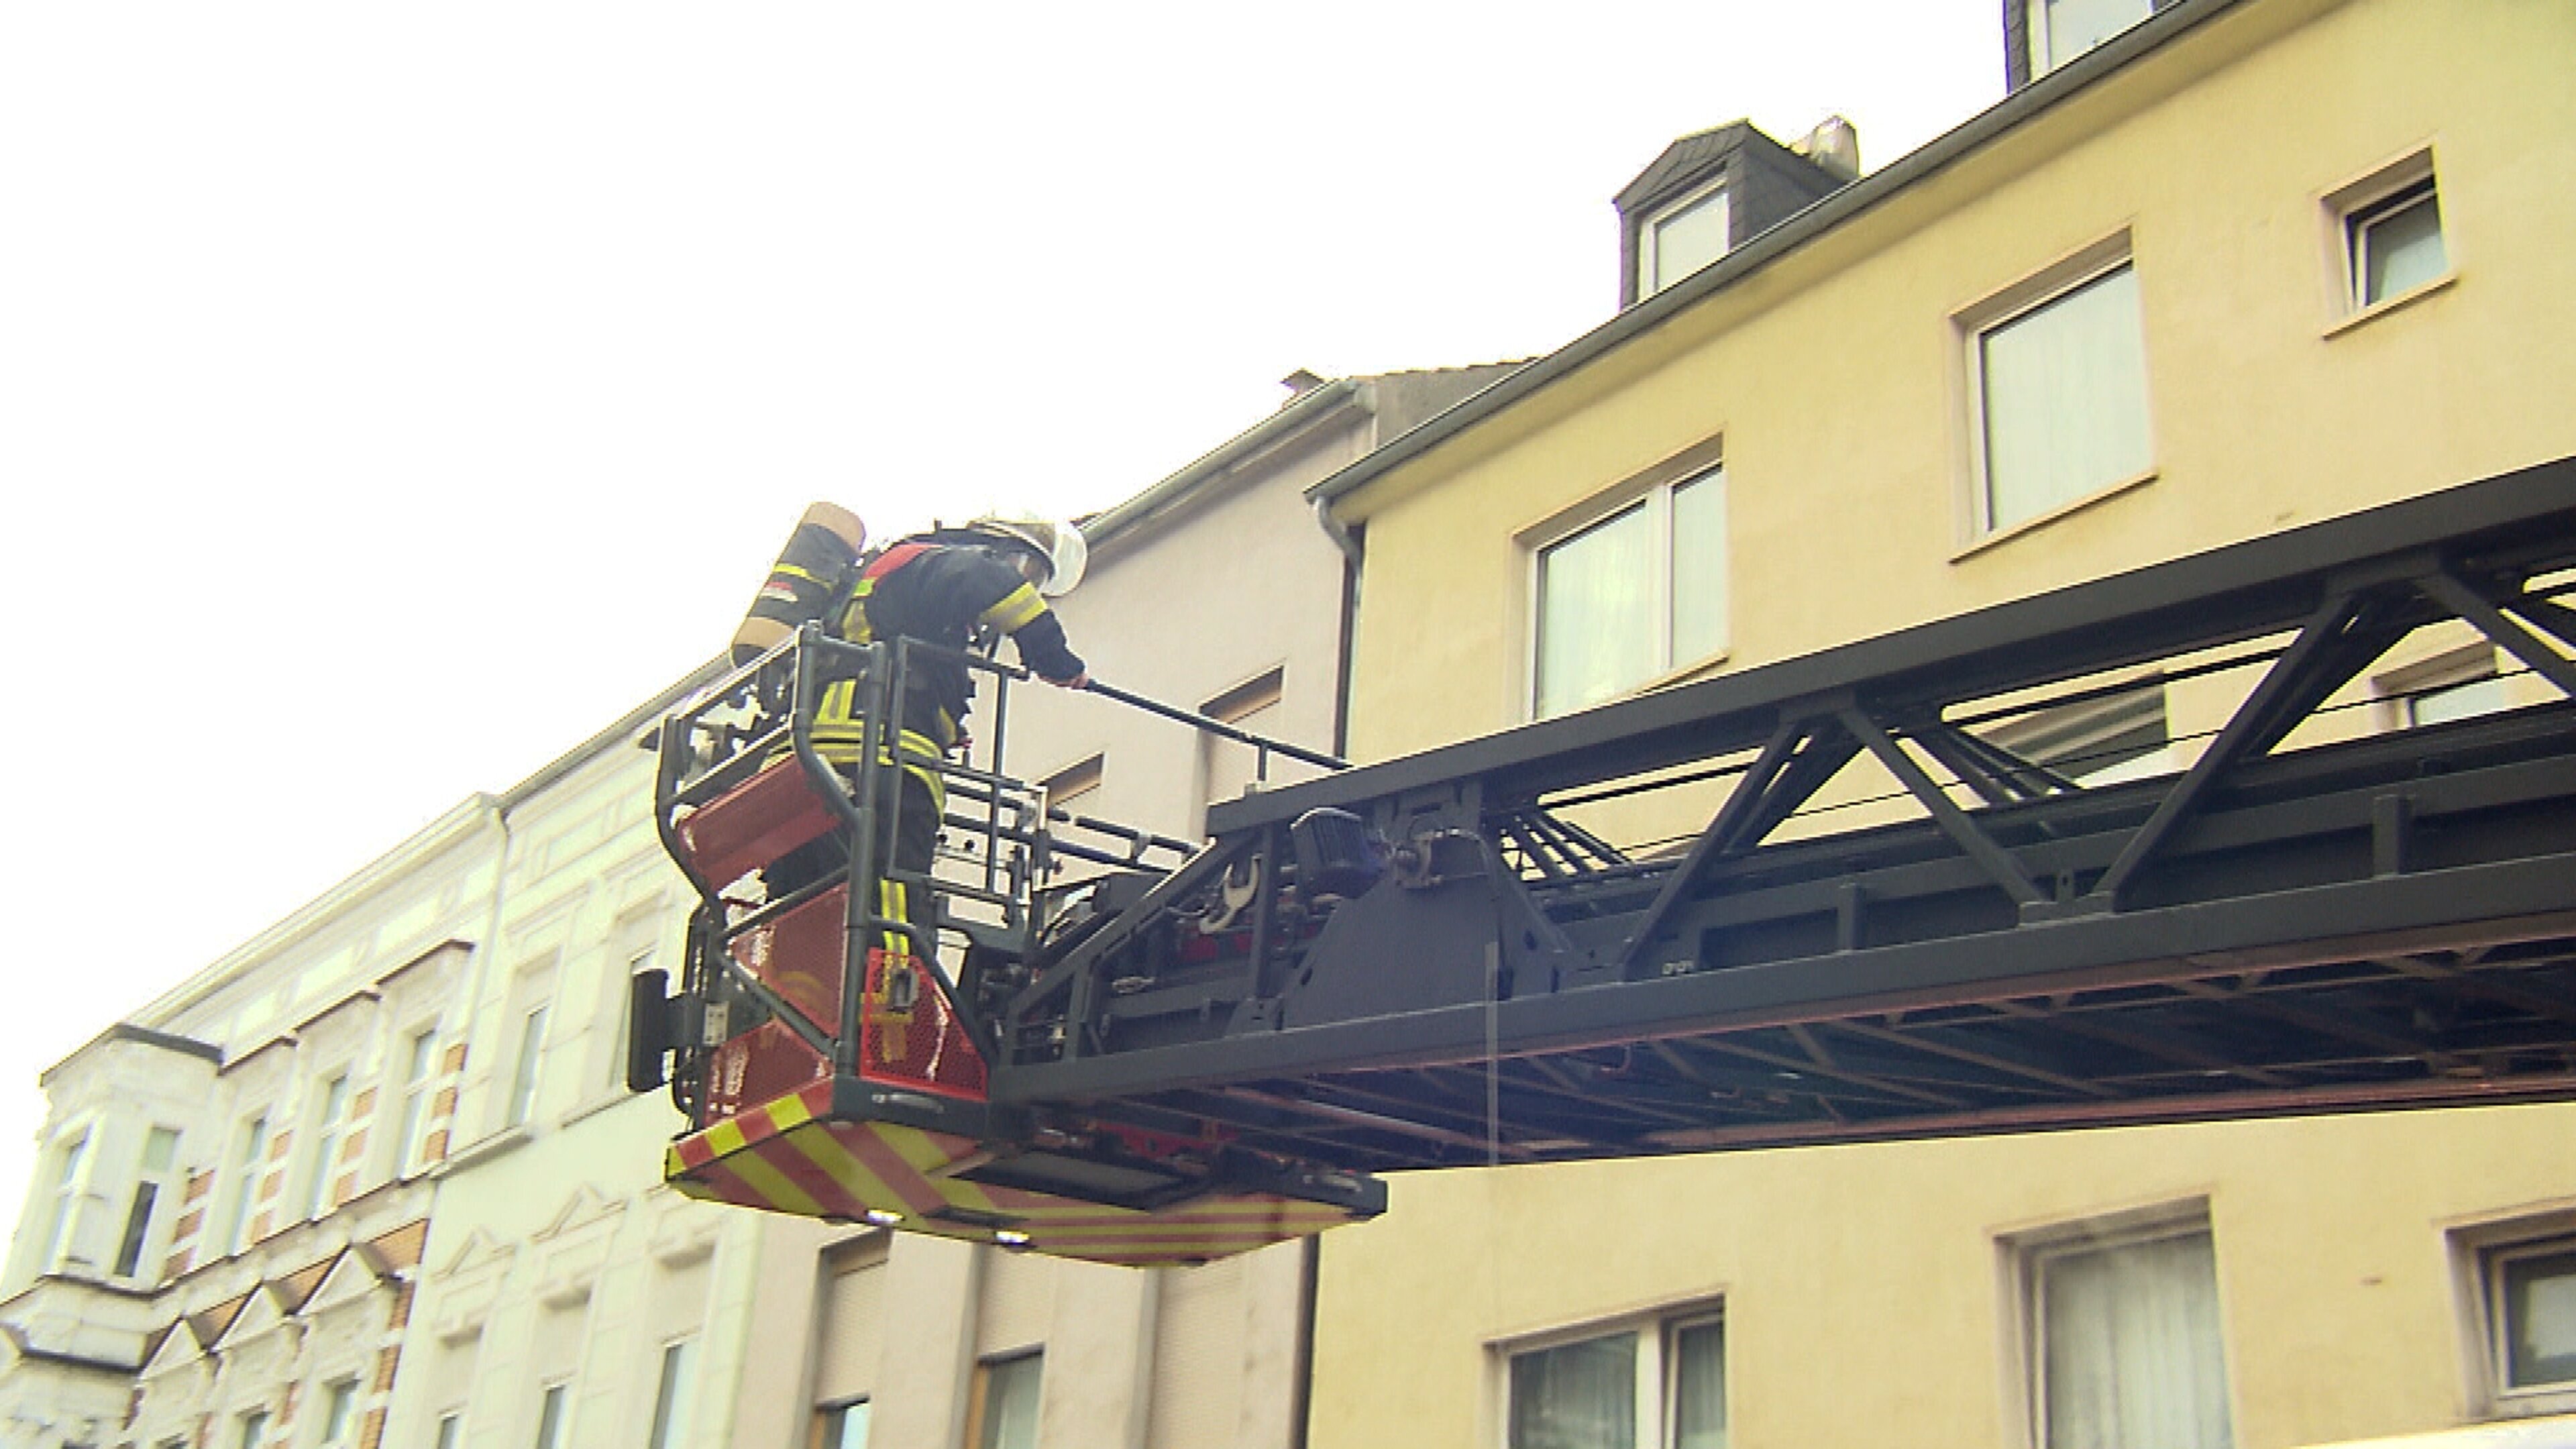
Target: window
{"type": "Point", "coordinates": [670, 1399]}
{"type": "Point", "coordinates": [2531, 1293]}
{"type": "Point", "coordinates": [451, 1429]}
{"type": "Point", "coordinates": [252, 1151]}
{"type": "Point", "coordinates": [2456, 685]}
{"type": "Point", "coordinates": [2095, 741]}
{"type": "Point", "coordinates": [550, 1416]}
{"type": "Point", "coordinates": [1679, 239]}
{"type": "Point", "coordinates": [2061, 30]}
{"type": "Point", "coordinates": [2058, 373]}
{"type": "Point", "coordinates": [523, 1077]}
{"type": "Point", "coordinates": [2387, 228]}
{"type": "Point", "coordinates": [1072, 782]}
{"type": "Point", "coordinates": [2519, 1279]}
{"type": "Point", "coordinates": [1659, 1384]}
{"type": "Point", "coordinates": [420, 1058]}
{"type": "Point", "coordinates": [67, 1190]}
{"type": "Point", "coordinates": [160, 1153]}
{"type": "Point", "coordinates": [330, 1113]}
{"type": "Point", "coordinates": [2122, 1333]}
{"type": "Point", "coordinates": [254, 1429]}
{"type": "Point", "coordinates": [339, 1413]}
{"type": "Point", "coordinates": [1228, 768]}
{"type": "Point", "coordinates": [842, 1426]}
{"type": "Point", "coordinates": [1631, 595]}
{"type": "Point", "coordinates": [1002, 1412]}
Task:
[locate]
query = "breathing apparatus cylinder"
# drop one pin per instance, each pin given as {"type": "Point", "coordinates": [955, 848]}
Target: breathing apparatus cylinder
{"type": "Point", "coordinates": [809, 571]}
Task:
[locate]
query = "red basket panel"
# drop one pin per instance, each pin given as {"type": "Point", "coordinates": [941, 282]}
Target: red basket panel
{"type": "Point", "coordinates": [761, 1065]}
{"type": "Point", "coordinates": [908, 1035]}
{"type": "Point", "coordinates": [754, 823]}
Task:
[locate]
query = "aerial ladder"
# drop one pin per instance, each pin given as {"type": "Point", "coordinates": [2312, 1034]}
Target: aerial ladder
{"type": "Point", "coordinates": [1889, 922]}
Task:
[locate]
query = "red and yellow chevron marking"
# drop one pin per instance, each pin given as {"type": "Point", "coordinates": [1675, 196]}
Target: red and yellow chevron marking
{"type": "Point", "coordinates": [789, 1156]}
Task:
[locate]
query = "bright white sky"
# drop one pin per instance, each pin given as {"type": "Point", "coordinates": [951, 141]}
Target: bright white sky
{"type": "Point", "coordinates": [392, 396]}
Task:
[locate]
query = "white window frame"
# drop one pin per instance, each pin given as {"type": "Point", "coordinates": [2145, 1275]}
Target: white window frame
{"type": "Point", "coordinates": [2035, 16]}
{"type": "Point", "coordinates": [340, 1401]}
{"type": "Point", "coordinates": [527, 1064]}
{"type": "Point", "coordinates": [1654, 489]}
{"type": "Point", "coordinates": [2480, 1252]}
{"type": "Point", "coordinates": [416, 1093]}
{"type": "Point", "coordinates": [253, 1426]}
{"type": "Point", "coordinates": [831, 1421]}
{"type": "Point", "coordinates": [554, 1415]}
{"type": "Point", "coordinates": [2024, 299]}
{"type": "Point", "coordinates": [325, 1136]}
{"type": "Point", "coordinates": [672, 1383]}
{"type": "Point", "coordinates": [2028, 1257]}
{"type": "Point", "coordinates": [75, 1148]}
{"type": "Point", "coordinates": [250, 1162]}
{"type": "Point", "coordinates": [985, 1431]}
{"type": "Point", "coordinates": [450, 1432]}
{"type": "Point", "coordinates": [139, 1213]}
{"type": "Point", "coordinates": [2062, 738]}
{"type": "Point", "coordinates": [2401, 691]}
{"type": "Point", "coordinates": [1656, 1332]}
{"type": "Point", "coordinates": [2362, 203]}
{"type": "Point", "coordinates": [1648, 242]}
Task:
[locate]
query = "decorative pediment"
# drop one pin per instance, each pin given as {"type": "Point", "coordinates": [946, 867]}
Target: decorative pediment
{"type": "Point", "coordinates": [479, 1253]}
{"type": "Point", "coordinates": [209, 1325]}
{"type": "Point", "coordinates": [353, 1277]}
{"type": "Point", "coordinates": [586, 1207]}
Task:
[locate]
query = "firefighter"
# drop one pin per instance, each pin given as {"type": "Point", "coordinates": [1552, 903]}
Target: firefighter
{"type": "Point", "coordinates": [945, 588]}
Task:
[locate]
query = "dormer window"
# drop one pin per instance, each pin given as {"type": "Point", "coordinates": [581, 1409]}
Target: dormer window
{"type": "Point", "coordinates": [1712, 191]}
{"type": "Point", "coordinates": [1683, 237]}
{"type": "Point", "coordinates": [2061, 30]}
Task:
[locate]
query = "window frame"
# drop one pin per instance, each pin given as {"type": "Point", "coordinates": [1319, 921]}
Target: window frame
{"type": "Point", "coordinates": [2035, 24]}
{"type": "Point", "coordinates": [1649, 245]}
{"type": "Point", "coordinates": [2028, 1253]}
{"type": "Point", "coordinates": [671, 1387]}
{"type": "Point", "coordinates": [2017, 302]}
{"type": "Point", "coordinates": [980, 1424]}
{"type": "Point", "coordinates": [1657, 1331]}
{"type": "Point", "coordinates": [251, 1137]}
{"type": "Point", "coordinates": [326, 1138]}
{"type": "Point", "coordinates": [554, 1414]}
{"type": "Point", "coordinates": [142, 1210]}
{"type": "Point", "coordinates": [74, 1149]}
{"type": "Point", "coordinates": [527, 1065]}
{"type": "Point", "coordinates": [414, 1096]}
{"type": "Point", "coordinates": [2365, 201]}
{"type": "Point", "coordinates": [1655, 488]}
{"type": "Point", "coordinates": [340, 1394]}
{"type": "Point", "coordinates": [831, 1421]}
{"type": "Point", "coordinates": [2480, 1251]}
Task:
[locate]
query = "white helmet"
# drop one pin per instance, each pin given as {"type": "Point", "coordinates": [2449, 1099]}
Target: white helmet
{"type": "Point", "coordinates": [1056, 544]}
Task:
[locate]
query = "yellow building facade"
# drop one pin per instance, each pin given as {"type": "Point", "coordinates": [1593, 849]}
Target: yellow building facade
{"type": "Point", "coordinates": [2280, 260]}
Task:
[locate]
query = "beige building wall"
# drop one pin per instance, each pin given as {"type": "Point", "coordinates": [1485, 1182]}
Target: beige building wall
{"type": "Point", "coordinates": [1832, 379]}
{"type": "Point", "coordinates": [1873, 1294]}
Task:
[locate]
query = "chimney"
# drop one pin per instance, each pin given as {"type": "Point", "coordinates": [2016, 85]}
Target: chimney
{"type": "Point", "coordinates": [1300, 383]}
{"type": "Point", "coordinates": [1833, 145]}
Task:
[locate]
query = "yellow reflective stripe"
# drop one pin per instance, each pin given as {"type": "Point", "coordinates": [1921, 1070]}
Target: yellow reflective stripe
{"type": "Point", "coordinates": [890, 906]}
{"type": "Point", "coordinates": [806, 574]}
{"type": "Point", "coordinates": [1017, 610]}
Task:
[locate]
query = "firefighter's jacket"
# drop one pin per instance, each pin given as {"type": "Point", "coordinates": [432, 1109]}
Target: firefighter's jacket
{"type": "Point", "coordinates": [940, 595]}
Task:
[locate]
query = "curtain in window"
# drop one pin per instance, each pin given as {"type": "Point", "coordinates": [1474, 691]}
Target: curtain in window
{"type": "Point", "coordinates": [2065, 391]}
{"type": "Point", "coordinates": [1596, 630]}
{"type": "Point", "coordinates": [1698, 1369]}
{"type": "Point", "coordinates": [1699, 568]}
{"type": "Point", "coordinates": [2132, 1358]}
{"type": "Point", "coordinates": [1580, 1396]}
